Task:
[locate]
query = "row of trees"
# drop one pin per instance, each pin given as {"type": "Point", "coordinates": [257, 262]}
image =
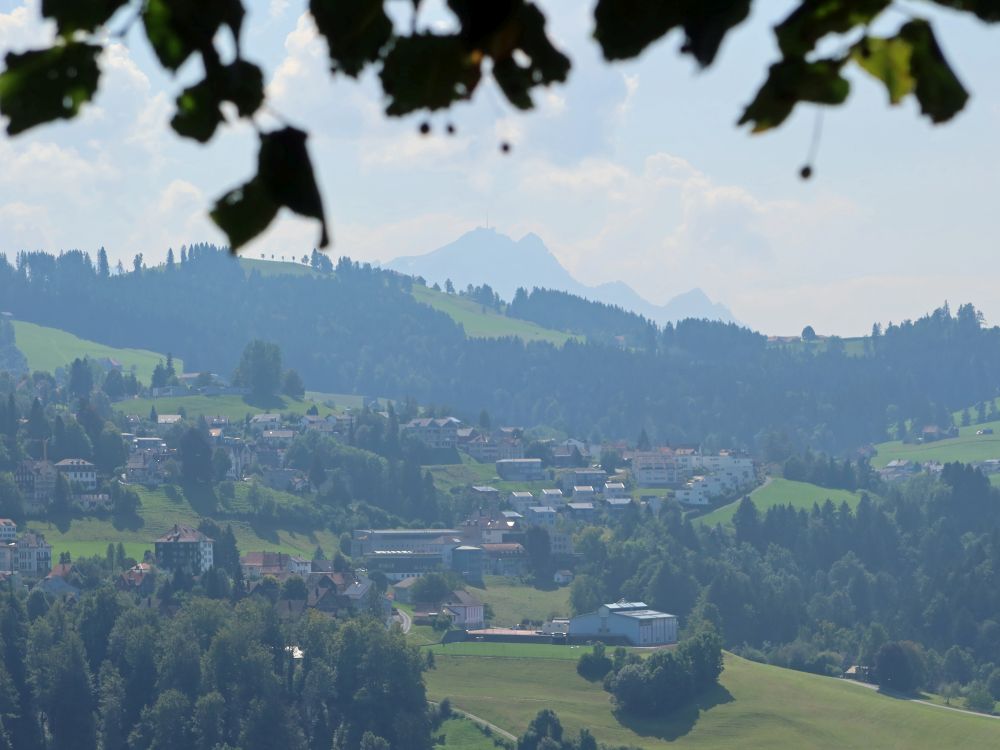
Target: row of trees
{"type": "Point", "coordinates": [691, 382]}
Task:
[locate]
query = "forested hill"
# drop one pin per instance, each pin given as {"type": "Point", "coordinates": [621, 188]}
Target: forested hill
{"type": "Point", "coordinates": [360, 330]}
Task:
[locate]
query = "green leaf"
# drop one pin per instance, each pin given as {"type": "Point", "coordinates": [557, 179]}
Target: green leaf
{"type": "Point", "coordinates": [356, 31]}
{"type": "Point", "coordinates": [198, 107]}
{"type": "Point", "coordinates": [624, 28]}
{"type": "Point", "coordinates": [889, 61]}
{"type": "Point", "coordinates": [244, 213]}
{"type": "Point", "coordinates": [80, 15]}
{"type": "Point", "coordinates": [284, 178]}
{"type": "Point", "coordinates": [940, 93]}
{"type": "Point", "coordinates": [790, 82]}
{"type": "Point", "coordinates": [178, 28]}
{"type": "Point", "coordinates": [814, 19]}
{"type": "Point", "coordinates": [45, 85]}
{"type": "Point", "coordinates": [428, 71]}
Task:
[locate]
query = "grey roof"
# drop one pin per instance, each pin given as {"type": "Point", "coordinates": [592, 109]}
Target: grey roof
{"type": "Point", "coordinates": [644, 614]}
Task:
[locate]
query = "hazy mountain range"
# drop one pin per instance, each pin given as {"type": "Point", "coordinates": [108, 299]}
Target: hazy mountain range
{"type": "Point", "coordinates": [487, 256]}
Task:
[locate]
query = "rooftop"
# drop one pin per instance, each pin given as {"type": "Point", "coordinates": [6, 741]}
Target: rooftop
{"type": "Point", "coordinates": [181, 533]}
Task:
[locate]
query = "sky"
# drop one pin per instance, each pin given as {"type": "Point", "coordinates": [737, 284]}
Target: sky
{"type": "Point", "coordinates": [634, 172]}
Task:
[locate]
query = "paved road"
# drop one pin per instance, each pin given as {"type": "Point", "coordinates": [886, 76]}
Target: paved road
{"type": "Point", "coordinates": [901, 697]}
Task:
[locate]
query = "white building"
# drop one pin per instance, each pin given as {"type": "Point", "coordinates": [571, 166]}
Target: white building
{"type": "Point", "coordinates": [630, 621]}
{"type": "Point", "coordinates": [542, 515]}
{"type": "Point", "coordinates": [654, 469]}
{"type": "Point", "coordinates": [34, 555]}
{"type": "Point", "coordinates": [79, 472]}
{"type": "Point", "coordinates": [553, 497]}
{"type": "Point", "coordinates": [521, 501]}
{"type": "Point", "coordinates": [614, 489]}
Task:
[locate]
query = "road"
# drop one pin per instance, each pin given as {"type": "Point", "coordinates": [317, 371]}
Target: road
{"type": "Point", "coordinates": [899, 696]}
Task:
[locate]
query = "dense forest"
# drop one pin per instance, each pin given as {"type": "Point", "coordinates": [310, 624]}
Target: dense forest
{"type": "Point", "coordinates": [202, 674]}
{"type": "Point", "coordinates": [358, 329]}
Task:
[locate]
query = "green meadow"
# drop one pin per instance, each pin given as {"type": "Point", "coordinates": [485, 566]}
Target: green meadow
{"type": "Point", "coordinates": [513, 602]}
{"type": "Point", "coordinates": [756, 706]}
{"type": "Point", "coordinates": [234, 408]}
{"type": "Point", "coordinates": [783, 492]}
{"type": "Point", "coordinates": [48, 349]}
{"type": "Point", "coordinates": [485, 323]}
{"type": "Point", "coordinates": [163, 507]}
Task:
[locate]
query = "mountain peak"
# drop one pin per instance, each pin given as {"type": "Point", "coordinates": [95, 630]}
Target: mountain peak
{"type": "Point", "coordinates": [485, 255]}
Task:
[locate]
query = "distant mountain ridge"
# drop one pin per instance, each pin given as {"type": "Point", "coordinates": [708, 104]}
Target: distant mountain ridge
{"type": "Point", "coordinates": [487, 256]}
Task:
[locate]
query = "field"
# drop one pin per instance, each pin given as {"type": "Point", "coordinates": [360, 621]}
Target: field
{"type": "Point", "coordinates": [89, 536]}
{"type": "Point", "coordinates": [50, 348]}
{"type": "Point", "coordinates": [470, 473]}
{"type": "Point", "coordinates": [484, 323]}
{"type": "Point", "coordinates": [853, 347]}
{"type": "Point", "coordinates": [513, 602]}
{"type": "Point", "coordinates": [783, 492]}
{"type": "Point", "coordinates": [509, 650]}
{"type": "Point", "coordinates": [232, 407]}
{"type": "Point", "coordinates": [462, 734]}
{"type": "Point", "coordinates": [757, 706]}
{"type": "Point", "coordinates": [275, 267]}
{"type": "Point", "coordinates": [968, 447]}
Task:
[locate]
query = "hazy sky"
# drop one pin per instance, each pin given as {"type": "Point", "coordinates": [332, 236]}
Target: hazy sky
{"type": "Point", "coordinates": [633, 172]}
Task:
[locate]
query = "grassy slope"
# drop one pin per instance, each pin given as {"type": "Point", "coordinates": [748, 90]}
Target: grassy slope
{"type": "Point", "coordinates": [90, 536]}
{"type": "Point", "coordinates": [966, 447]}
{"type": "Point", "coordinates": [757, 706]}
{"type": "Point", "coordinates": [233, 407]}
{"type": "Point", "coordinates": [275, 267]}
{"type": "Point", "coordinates": [486, 324]}
{"type": "Point", "coordinates": [50, 348]}
{"type": "Point", "coordinates": [462, 734]}
{"type": "Point", "coordinates": [512, 602]}
{"type": "Point", "coordinates": [783, 492]}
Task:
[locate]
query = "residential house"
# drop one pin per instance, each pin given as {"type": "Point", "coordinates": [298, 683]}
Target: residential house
{"type": "Point", "coordinates": [80, 473]}
{"type": "Point", "coordinates": [584, 512]}
{"type": "Point", "coordinates": [277, 438]}
{"type": "Point", "coordinates": [654, 469]}
{"type": "Point", "coordinates": [504, 559]}
{"type": "Point", "coordinates": [8, 531]}
{"type": "Point", "coordinates": [614, 489]}
{"type": "Point", "coordinates": [168, 420]}
{"type": "Point", "coordinates": [521, 501]}
{"type": "Point", "coordinates": [34, 555]}
{"type": "Point", "coordinates": [439, 432]}
{"type": "Point", "coordinates": [633, 622]}
{"type": "Point", "coordinates": [184, 549]}
{"type": "Point", "coordinates": [582, 478]}
{"type": "Point", "coordinates": [542, 515]}
{"type": "Point", "coordinates": [560, 543]}
{"type": "Point", "coordinates": [584, 494]}
{"type": "Point", "coordinates": [553, 497]}
{"type": "Point", "coordinates": [520, 469]}
{"type": "Point", "coordinates": [617, 504]}
{"type": "Point", "coordinates": [261, 422]}
{"type": "Point", "coordinates": [563, 577]}
{"type": "Point", "coordinates": [257, 565]}
{"type": "Point", "coordinates": [486, 495]}
{"type": "Point", "coordinates": [402, 591]}
{"type": "Point", "coordinates": [465, 610]}
{"type": "Point", "coordinates": [37, 482]}
{"type": "Point", "coordinates": [57, 583]}
{"type": "Point", "coordinates": [140, 579]}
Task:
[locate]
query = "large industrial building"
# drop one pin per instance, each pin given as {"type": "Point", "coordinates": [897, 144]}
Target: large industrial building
{"type": "Point", "coordinates": [631, 621]}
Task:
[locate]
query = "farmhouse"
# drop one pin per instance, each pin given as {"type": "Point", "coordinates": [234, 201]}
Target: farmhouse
{"type": "Point", "coordinates": [434, 433]}
{"type": "Point", "coordinates": [630, 621]}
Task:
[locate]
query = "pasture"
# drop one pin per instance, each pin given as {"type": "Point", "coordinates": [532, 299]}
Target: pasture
{"type": "Point", "coordinates": [783, 492]}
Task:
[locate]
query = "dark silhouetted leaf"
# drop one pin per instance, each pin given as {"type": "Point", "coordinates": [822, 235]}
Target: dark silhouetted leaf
{"type": "Point", "coordinates": [940, 93]}
{"type": "Point", "coordinates": [624, 28]}
{"type": "Point", "coordinates": [284, 178]}
{"type": "Point", "coordinates": [355, 31]}
{"type": "Point", "coordinates": [986, 10]}
{"type": "Point", "coordinates": [177, 28]}
{"type": "Point", "coordinates": [80, 15]}
{"type": "Point", "coordinates": [814, 19]}
{"type": "Point", "coordinates": [244, 213]}
{"type": "Point", "coordinates": [428, 71]}
{"type": "Point", "coordinates": [198, 107]}
{"type": "Point", "coordinates": [889, 61]}
{"type": "Point", "coordinates": [792, 81]}
{"type": "Point", "coordinates": [525, 31]}
{"type": "Point", "coordinates": [44, 85]}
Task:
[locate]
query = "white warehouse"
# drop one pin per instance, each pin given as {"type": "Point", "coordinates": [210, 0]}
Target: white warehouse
{"type": "Point", "coordinates": [634, 621]}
